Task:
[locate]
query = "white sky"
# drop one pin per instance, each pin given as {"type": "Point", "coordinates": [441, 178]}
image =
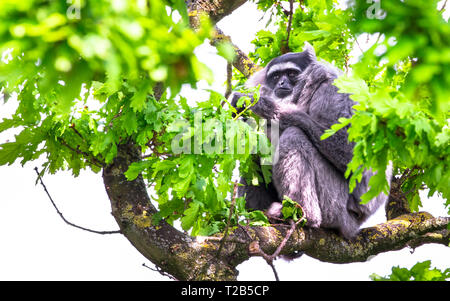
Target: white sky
{"type": "Point", "coordinates": [35, 244]}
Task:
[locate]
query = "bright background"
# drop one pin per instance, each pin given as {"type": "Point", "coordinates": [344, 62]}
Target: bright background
{"type": "Point", "coordinates": [35, 244]}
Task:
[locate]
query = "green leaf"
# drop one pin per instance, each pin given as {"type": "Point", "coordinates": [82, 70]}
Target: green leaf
{"type": "Point", "coordinates": [136, 168]}
{"type": "Point", "coordinates": [129, 122]}
{"type": "Point", "coordinates": [258, 218]}
{"type": "Point", "coordinates": [290, 209]}
{"type": "Point", "coordinates": [7, 124]}
{"type": "Point", "coordinates": [421, 271]}
{"type": "Point", "coordinates": [139, 98]}
{"type": "Point", "coordinates": [226, 50]}
{"type": "Point", "coordinates": [415, 202]}
{"type": "Point", "coordinates": [181, 185]}
{"type": "Point", "coordinates": [190, 216]}
{"type": "Point", "coordinates": [186, 167]}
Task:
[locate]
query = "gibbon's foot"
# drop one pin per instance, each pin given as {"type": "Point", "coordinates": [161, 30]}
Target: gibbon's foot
{"type": "Point", "coordinates": [274, 211]}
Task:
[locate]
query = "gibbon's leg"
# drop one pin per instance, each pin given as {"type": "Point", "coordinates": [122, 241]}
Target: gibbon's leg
{"type": "Point", "coordinates": [294, 176]}
{"type": "Point", "coordinates": [305, 176]}
{"type": "Point", "coordinates": [257, 197]}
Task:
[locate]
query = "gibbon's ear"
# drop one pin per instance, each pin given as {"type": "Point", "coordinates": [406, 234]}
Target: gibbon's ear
{"type": "Point", "coordinates": [259, 77]}
{"type": "Point", "coordinates": [309, 50]}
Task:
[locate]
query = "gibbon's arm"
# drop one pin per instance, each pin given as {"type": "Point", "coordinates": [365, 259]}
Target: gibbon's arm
{"type": "Point", "coordinates": [335, 149]}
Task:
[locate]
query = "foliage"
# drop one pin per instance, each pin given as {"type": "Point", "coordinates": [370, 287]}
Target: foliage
{"type": "Point", "coordinates": [403, 98]}
{"type": "Point", "coordinates": [200, 150]}
{"type": "Point", "coordinates": [114, 51]}
{"type": "Point", "coordinates": [321, 23]}
{"type": "Point", "coordinates": [91, 75]}
{"type": "Point", "coordinates": [400, 83]}
{"type": "Point", "coordinates": [421, 271]}
{"type": "Point", "coordinates": [291, 210]}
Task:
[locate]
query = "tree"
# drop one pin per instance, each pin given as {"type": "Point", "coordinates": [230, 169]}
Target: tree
{"type": "Point", "coordinates": [130, 59]}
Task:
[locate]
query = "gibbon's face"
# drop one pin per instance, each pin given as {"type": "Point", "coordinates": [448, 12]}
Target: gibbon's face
{"type": "Point", "coordinates": [283, 72]}
{"type": "Point", "coordinates": [282, 77]}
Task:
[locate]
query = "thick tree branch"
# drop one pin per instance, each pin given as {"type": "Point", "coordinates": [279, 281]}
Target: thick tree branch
{"type": "Point", "coordinates": [171, 250]}
{"type": "Point", "coordinates": [397, 203]}
{"type": "Point", "coordinates": [392, 235]}
{"type": "Point", "coordinates": [216, 10]}
{"type": "Point", "coordinates": [241, 62]}
{"type": "Point", "coordinates": [409, 230]}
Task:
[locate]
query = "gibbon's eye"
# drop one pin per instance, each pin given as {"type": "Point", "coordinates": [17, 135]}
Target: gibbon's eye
{"type": "Point", "coordinates": [292, 74]}
{"type": "Point", "coordinates": [276, 76]}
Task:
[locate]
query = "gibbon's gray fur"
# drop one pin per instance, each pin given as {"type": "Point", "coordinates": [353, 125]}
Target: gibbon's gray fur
{"type": "Point", "coordinates": [297, 91]}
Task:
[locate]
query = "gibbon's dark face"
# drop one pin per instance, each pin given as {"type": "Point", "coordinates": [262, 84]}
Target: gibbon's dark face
{"type": "Point", "coordinates": [283, 72]}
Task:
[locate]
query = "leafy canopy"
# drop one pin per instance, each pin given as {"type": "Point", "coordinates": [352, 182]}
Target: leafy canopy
{"type": "Point", "coordinates": [92, 75]}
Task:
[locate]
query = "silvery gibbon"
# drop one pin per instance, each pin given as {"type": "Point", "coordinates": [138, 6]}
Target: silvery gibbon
{"type": "Point", "coordinates": [297, 92]}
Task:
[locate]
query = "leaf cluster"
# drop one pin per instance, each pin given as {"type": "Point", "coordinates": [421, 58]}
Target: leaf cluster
{"type": "Point", "coordinates": [84, 75]}
{"type": "Point", "coordinates": [402, 103]}
{"type": "Point", "coordinates": [321, 23]}
{"type": "Point", "coordinates": [192, 182]}
{"type": "Point", "coordinates": [421, 271]}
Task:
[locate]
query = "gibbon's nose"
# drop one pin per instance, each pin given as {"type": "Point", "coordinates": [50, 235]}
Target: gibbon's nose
{"type": "Point", "coordinates": [283, 82]}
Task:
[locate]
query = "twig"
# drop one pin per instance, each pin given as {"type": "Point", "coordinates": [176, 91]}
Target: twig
{"type": "Point", "coordinates": [245, 231]}
{"type": "Point", "coordinates": [443, 6]}
{"type": "Point", "coordinates": [359, 46]}
{"type": "Point", "coordinates": [245, 109]}
{"type": "Point", "coordinates": [233, 202]}
{"type": "Point", "coordinates": [229, 75]}
{"type": "Point", "coordinates": [72, 126]}
{"type": "Point", "coordinates": [90, 158]}
{"type": "Point", "coordinates": [285, 239]}
{"type": "Point", "coordinates": [62, 216]}
{"type": "Point", "coordinates": [291, 12]}
{"type": "Point", "coordinates": [159, 270]}
{"type": "Point", "coordinates": [274, 270]}
{"type": "Point", "coordinates": [269, 258]}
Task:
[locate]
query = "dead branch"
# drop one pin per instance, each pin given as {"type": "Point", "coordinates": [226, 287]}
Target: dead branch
{"type": "Point", "coordinates": [233, 202]}
{"type": "Point", "coordinates": [62, 216]}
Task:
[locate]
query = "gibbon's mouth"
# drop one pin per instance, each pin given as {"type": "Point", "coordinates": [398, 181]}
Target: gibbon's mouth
{"type": "Point", "coordinates": [282, 92]}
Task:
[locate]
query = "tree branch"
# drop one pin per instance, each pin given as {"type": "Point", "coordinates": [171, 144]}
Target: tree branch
{"type": "Point", "coordinates": [397, 203]}
{"type": "Point", "coordinates": [286, 48]}
{"type": "Point", "coordinates": [409, 230]}
{"type": "Point", "coordinates": [62, 216]}
{"type": "Point", "coordinates": [241, 62]}
{"type": "Point", "coordinates": [392, 235]}
{"type": "Point", "coordinates": [216, 10]}
{"type": "Point", "coordinates": [176, 253]}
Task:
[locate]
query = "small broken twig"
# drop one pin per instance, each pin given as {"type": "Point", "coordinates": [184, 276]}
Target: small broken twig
{"type": "Point", "coordinates": [159, 270]}
{"type": "Point", "coordinates": [229, 76]}
{"type": "Point", "coordinates": [62, 216]}
{"type": "Point", "coordinates": [269, 258]}
{"type": "Point", "coordinates": [233, 202]}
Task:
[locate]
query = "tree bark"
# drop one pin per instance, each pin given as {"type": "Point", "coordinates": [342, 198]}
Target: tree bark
{"type": "Point", "coordinates": [216, 10]}
{"type": "Point", "coordinates": [172, 251]}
